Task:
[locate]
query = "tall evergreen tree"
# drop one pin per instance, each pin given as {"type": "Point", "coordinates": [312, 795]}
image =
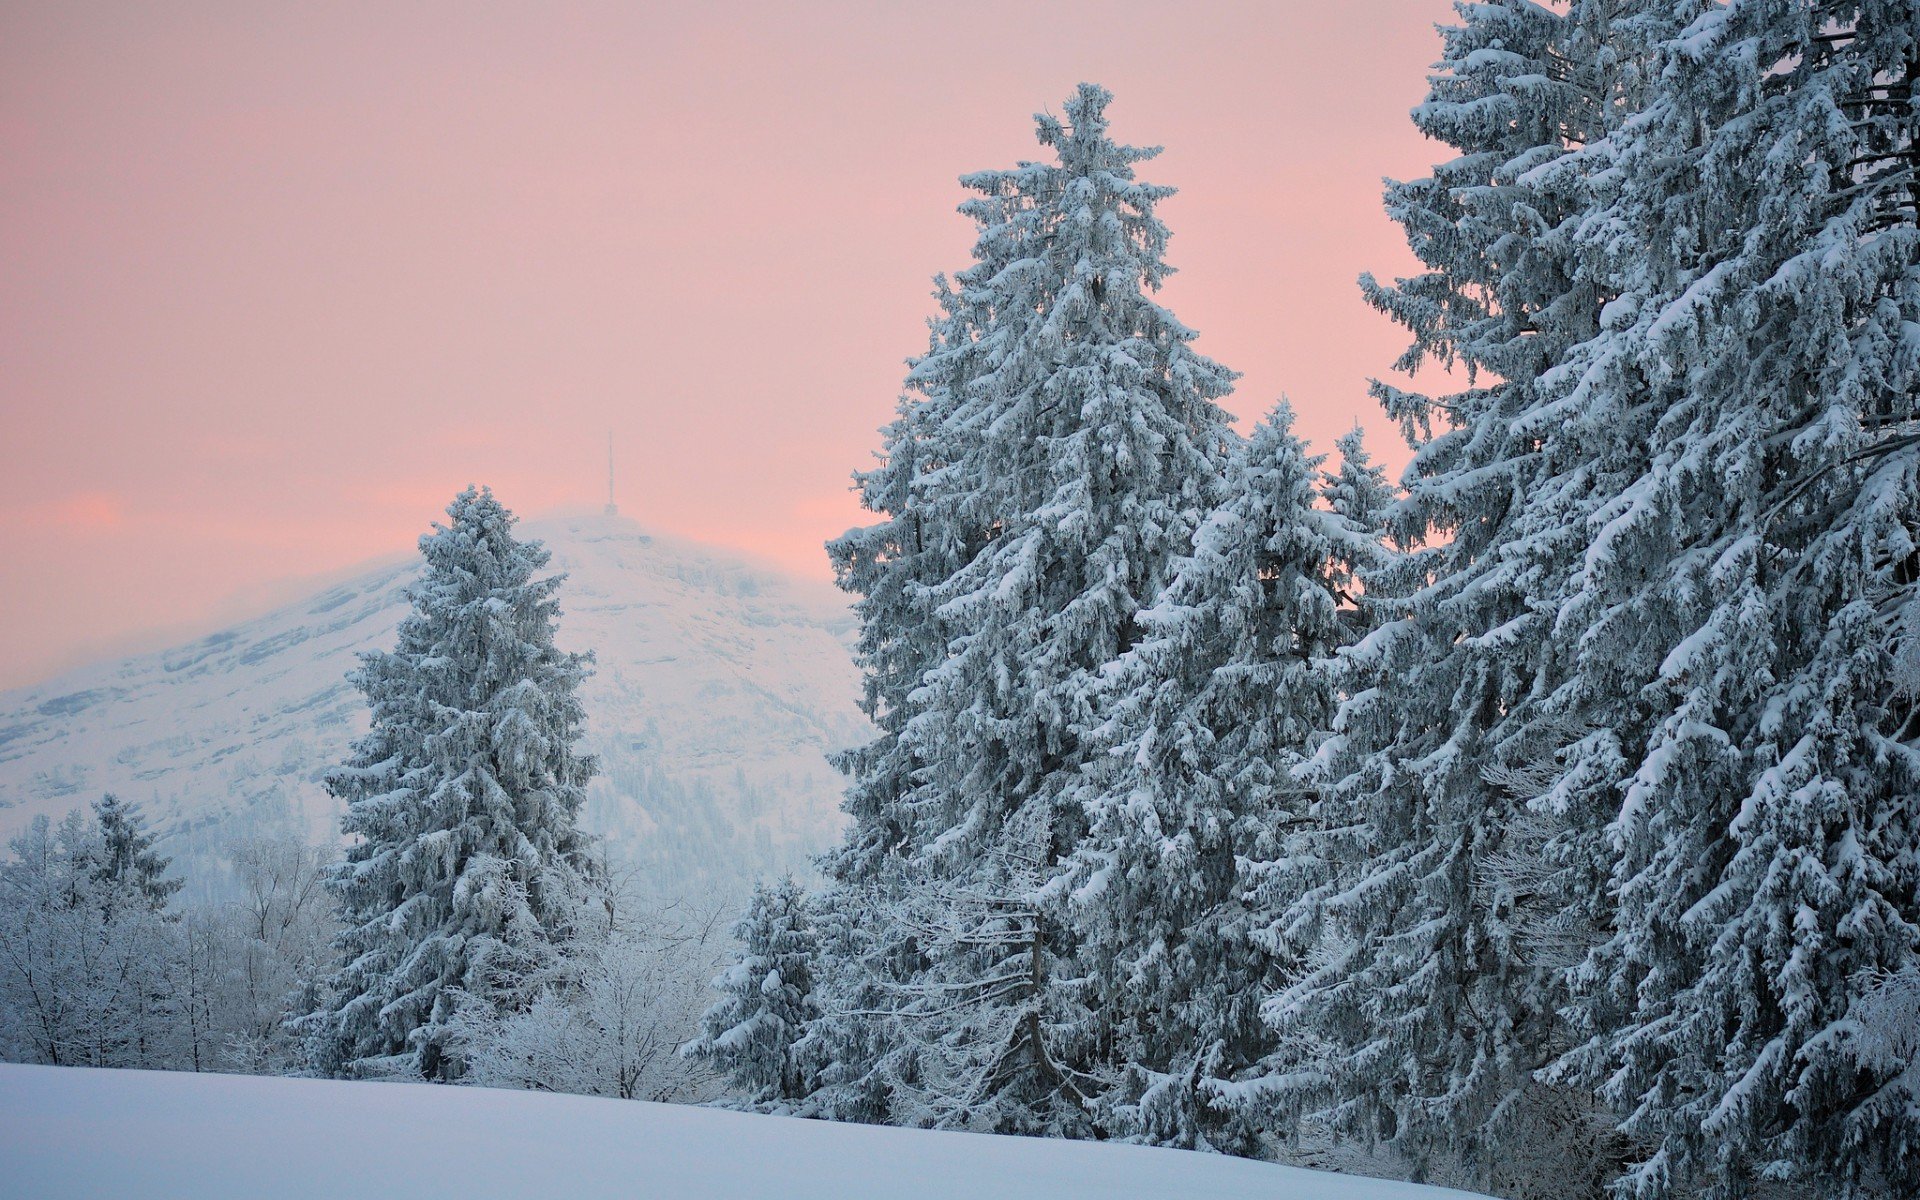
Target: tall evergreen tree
{"type": "Point", "coordinates": [1211, 713]}
{"type": "Point", "coordinates": [466, 870]}
{"type": "Point", "coordinates": [758, 1033]}
{"type": "Point", "coordinates": [1639, 711]}
{"type": "Point", "coordinates": [1065, 442]}
{"type": "Point", "coordinates": [1743, 607]}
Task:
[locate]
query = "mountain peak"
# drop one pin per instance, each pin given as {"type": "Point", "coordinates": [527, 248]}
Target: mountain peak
{"type": "Point", "coordinates": [720, 686]}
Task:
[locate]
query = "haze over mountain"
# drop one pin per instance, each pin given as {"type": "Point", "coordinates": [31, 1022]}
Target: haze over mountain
{"type": "Point", "coordinates": [719, 688]}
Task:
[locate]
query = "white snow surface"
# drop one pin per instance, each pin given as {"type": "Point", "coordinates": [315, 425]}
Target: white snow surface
{"type": "Point", "coordinates": [74, 1132]}
{"type": "Point", "coordinates": [720, 687]}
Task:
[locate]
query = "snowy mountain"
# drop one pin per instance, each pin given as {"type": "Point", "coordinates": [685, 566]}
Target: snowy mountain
{"type": "Point", "coordinates": [385, 1139]}
{"type": "Point", "coordinates": [719, 688]}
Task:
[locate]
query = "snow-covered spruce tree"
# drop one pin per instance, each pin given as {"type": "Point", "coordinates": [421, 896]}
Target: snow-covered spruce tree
{"type": "Point", "coordinates": [155, 987]}
{"type": "Point", "coordinates": [1065, 443]}
{"type": "Point", "coordinates": [758, 1033]}
{"type": "Point", "coordinates": [128, 862]}
{"type": "Point", "coordinates": [1420, 1014]}
{"type": "Point", "coordinates": [1745, 602]}
{"type": "Point", "coordinates": [1287, 864]}
{"type": "Point", "coordinates": [466, 869]}
{"type": "Point", "coordinates": [1211, 710]}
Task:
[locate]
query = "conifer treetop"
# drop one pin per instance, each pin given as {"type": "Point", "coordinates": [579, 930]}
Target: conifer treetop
{"type": "Point", "coordinates": [128, 859]}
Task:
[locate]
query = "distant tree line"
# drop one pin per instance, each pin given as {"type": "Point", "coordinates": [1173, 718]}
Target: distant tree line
{"type": "Point", "coordinates": [102, 966]}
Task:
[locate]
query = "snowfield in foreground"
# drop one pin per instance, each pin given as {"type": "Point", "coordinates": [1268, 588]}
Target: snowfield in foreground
{"type": "Point", "coordinates": [69, 1132]}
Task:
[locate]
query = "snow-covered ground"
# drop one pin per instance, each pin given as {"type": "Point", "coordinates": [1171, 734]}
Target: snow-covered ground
{"type": "Point", "coordinates": [720, 687]}
{"type": "Point", "coordinates": [67, 1132]}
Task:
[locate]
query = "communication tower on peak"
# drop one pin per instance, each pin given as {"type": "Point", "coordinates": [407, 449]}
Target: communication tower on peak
{"type": "Point", "coordinates": [612, 509]}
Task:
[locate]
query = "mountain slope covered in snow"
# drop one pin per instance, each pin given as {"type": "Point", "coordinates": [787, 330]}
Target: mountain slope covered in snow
{"type": "Point", "coordinates": [74, 1132]}
{"type": "Point", "coordinates": [719, 689]}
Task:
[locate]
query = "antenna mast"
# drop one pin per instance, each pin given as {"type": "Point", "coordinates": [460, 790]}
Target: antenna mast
{"type": "Point", "coordinates": [612, 510]}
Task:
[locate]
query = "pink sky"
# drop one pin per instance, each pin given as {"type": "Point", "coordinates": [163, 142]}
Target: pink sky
{"type": "Point", "coordinates": [277, 280]}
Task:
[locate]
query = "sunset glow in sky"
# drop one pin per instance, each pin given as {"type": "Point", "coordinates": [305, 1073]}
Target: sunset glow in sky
{"type": "Point", "coordinates": [277, 280]}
